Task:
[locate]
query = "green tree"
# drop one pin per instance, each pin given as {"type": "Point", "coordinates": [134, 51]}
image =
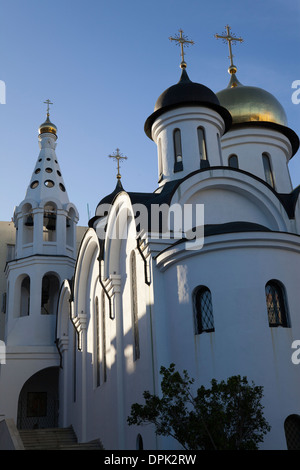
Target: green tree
{"type": "Point", "coordinates": [228, 415]}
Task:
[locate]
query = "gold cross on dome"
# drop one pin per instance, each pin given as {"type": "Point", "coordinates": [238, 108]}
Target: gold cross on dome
{"type": "Point", "coordinates": [48, 102]}
{"type": "Point", "coordinates": [118, 156]}
{"type": "Point", "coordinates": [230, 38]}
{"type": "Point", "coordinates": [182, 41]}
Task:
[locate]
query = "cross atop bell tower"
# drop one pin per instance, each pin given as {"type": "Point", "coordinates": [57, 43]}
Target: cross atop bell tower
{"type": "Point", "coordinates": [117, 156]}
{"type": "Point", "coordinates": [230, 38]}
{"type": "Point", "coordinates": [182, 41]}
{"type": "Point", "coordinates": [48, 102]}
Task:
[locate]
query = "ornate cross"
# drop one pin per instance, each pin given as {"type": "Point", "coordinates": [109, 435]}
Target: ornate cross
{"type": "Point", "coordinates": [230, 38]}
{"type": "Point", "coordinates": [182, 41]}
{"type": "Point", "coordinates": [48, 102]}
{"type": "Point", "coordinates": [117, 156]}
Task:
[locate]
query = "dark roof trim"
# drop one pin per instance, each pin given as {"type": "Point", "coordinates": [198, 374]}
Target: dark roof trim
{"type": "Point", "coordinates": [288, 201]}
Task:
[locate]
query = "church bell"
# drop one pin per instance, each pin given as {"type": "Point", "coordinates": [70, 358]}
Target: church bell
{"type": "Point", "coordinates": [50, 221]}
{"type": "Point", "coordinates": [29, 221]}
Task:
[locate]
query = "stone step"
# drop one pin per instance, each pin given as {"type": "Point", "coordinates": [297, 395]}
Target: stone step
{"type": "Point", "coordinates": [55, 439]}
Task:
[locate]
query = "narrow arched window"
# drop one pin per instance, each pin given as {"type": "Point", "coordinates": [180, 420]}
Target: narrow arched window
{"type": "Point", "coordinates": [97, 352]}
{"type": "Point", "coordinates": [139, 442]}
{"type": "Point", "coordinates": [134, 307]}
{"type": "Point", "coordinates": [49, 294]}
{"type": "Point", "coordinates": [103, 336]}
{"type": "Point", "coordinates": [25, 297]}
{"type": "Point", "coordinates": [268, 169]}
{"type": "Point", "coordinates": [178, 166]}
{"type": "Point", "coordinates": [160, 163]}
{"type": "Point", "coordinates": [276, 304]}
{"type": "Point", "coordinates": [233, 161]}
{"type": "Point", "coordinates": [203, 311]}
{"type": "Point", "coordinates": [202, 147]}
{"type": "Point", "coordinates": [292, 432]}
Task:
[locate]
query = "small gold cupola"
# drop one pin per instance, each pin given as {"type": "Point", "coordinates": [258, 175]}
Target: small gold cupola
{"type": "Point", "coordinates": [48, 126]}
{"type": "Point", "coordinates": [248, 103]}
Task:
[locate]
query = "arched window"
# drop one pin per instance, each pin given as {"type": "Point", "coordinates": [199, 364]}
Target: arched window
{"type": "Point", "coordinates": [202, 147]}
{"type": "Point", "coordinates": [268, 169]}
{"type": "Point", "coordinates": [103, 336]}
{"type": "Point", "coordinates": [97, 361]}
{"type": "Point", "coordinates": [178, 166]}
{"type": "Point", "coordinates": [139, 442]}
{"type": "Point", "coordinates": [233, 161]}
{"type": "Point", "coordinates": [203, 311]}
{"type": "Point", "coordinates": [160, 163]}
{"type": "Point", "coordinates": [134, 307]}
{"type": "Point", "coordinates": [50, 289]}
{"type": "Point", "coordinates": [25, 297]}
{"type": "Point", "coordinates": [292, 432]}
{"type": "Point", "coordinates": [276, 304]}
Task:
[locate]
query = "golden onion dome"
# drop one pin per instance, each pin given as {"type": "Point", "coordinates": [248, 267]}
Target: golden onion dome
{"type": "Point", "coordinates": [250, 104]}
{"type": "Point", "coordinates": [48, 127]}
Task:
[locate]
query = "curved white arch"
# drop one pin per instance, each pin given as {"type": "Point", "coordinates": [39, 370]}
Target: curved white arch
{"type": "Point", "coordinates": [255, 201]}
{"type": "Point", "coordinates": [54, 200]}
{"type": "Point", "coordinates": [70, 206]}
{"type": "Point", "coordinates": [34, 204]}
{"type": "Point", "coordinates": [120, 228]}
{"type": "Point", "coordinates": [88, 253]}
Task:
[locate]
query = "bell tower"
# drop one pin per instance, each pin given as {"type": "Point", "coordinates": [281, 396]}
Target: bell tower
{"type": "Point", "coordinates": [45, 256]}
{"type": "Point", "coordinates": [45, 252]}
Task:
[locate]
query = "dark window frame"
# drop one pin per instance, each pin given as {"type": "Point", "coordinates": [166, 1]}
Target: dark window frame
{"type": "Point", "coordinates": [178, 164]}
{"type": "Point", "coordinates": [203, 310]}
{"type": "Point", "coordinates": [276, 301]}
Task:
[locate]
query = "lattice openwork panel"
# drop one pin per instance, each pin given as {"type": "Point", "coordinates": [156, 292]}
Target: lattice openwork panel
{"type": "Point", "coordinates": [292, 432]}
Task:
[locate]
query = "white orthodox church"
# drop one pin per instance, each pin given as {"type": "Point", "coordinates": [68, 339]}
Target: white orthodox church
{"type": "Point", "coordinates": [86, 333]}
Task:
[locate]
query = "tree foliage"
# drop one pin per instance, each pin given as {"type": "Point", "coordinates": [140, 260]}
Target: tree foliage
{"type": "Point", "coordinates": [228, 415]}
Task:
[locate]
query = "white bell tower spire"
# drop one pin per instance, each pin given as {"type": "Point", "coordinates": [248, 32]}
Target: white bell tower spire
{"type": "Point", "coordinates": [45, 219]}
{"type": "Point", "coordinates": [45, 256]}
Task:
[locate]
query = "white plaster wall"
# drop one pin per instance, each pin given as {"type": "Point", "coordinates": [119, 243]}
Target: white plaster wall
{"type": "Point", "coordinates": [242, 343]}
{"type": "Point", "coordinates": [34, 329]}
{"type": "Point", "coordinates": [250, 143]}
{"type": "Point", "coordinates": [187, 119]}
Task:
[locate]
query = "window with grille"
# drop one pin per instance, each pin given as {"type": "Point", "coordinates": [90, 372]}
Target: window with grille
{"type": "Point", "coordinates": [203, 311]}
{"type": "Point", "coordinates": [292, 432]}
{"type": "Point", "coordinates": [276, 304]}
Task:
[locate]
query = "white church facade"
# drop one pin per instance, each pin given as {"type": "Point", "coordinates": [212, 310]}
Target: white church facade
{"type": "Point", "coordinates": [87, 333]}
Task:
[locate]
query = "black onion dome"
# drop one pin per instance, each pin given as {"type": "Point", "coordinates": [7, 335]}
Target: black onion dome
{"type": "Point", "coordinates": [109, 199]}
{"type": "Point", "coordinates": [186, 93]}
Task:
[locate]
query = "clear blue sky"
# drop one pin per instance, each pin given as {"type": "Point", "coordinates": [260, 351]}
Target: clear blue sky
{"type": "Point", "coordinates": [103, 63]}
